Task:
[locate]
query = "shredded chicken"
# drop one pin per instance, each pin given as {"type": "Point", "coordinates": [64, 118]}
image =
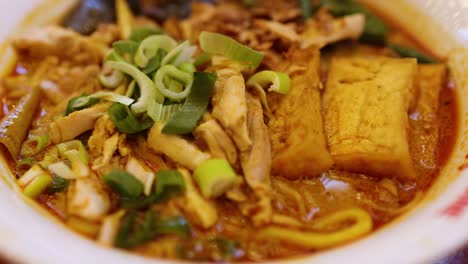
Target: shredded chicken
{"type": "Point", "coordinates": [283, 31]}
{"type": "Point", "coordinates": [218, 142]}
{"type": "Point", "coordinates": [256, 162]}
{"type": "Point", "coordinates": [87, 199]}
{"type": "Point", "coordinates": [62, 43]}
{"type": "Point", "coordinates": [328, 30]}
{"type": "Point", "coordinates": [202, 211]}
{"type": "Point", "coordinates": [178, 149]}
{"type": "Point", "coordinates": [229, 103]}
{"type": "Point", "coordinates": [76, 123]}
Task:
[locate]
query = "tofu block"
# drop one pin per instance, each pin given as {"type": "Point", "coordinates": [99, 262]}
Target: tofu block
{"type": "Point", "coordinates": [296, 126]}
{"type": "Point", "coordinates": [431, 78]}
{"type": "Point", "coordinates": [366, 104]}
{"type": "Point", "coordinates": [424, 132]}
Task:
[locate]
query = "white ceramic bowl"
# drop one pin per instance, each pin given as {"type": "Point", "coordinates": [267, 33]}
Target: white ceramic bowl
{"type": "Point", "coordinates": [438, 226]}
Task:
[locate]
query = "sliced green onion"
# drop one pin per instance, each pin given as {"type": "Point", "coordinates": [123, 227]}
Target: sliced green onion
{"type": "Point", "coordinates": [131, 89]}
{"type": "Point", "coordinates": [113, 80]}
{"type": "Point", "coordinates": [195, 105]}
{"type": "Point", "coordinates": [306, 8]}
{"type": "Point", "coordinates": [114, 56]}
{"type": "Point", "coordinates": [279, 82]}
{"type": "Point", "coordinates": [139, 34]}
{"type": "Point", "coordinates": [80, 103]}
{"type": "Point", "coordinates": [38, 185]}
{"type": "Point", "coordinates": [73, 145]}
{"type": "Point", "coordinates": [113, 97]}
{"type": "Point", "coordinates": [173, 85]}
{"type": "Point", "coordinates": [172, 72]}
{"type": "Point", "coordinates": [187, 67]}
{"type": "Point", "coordinates": [408, 52]}
{"type": "Point", "coordinates": [79, 168]}
{"type": "Point", "coordinates": [215, 177]}
{"type": "Point", "coordinates": [123, 47]}
{"type": "Point", "coordinates": [62, 170]}
{"type": "Point", "coordinates": [149, 47]}
{"type": "Point", "coordinates": [58, 185]}
{"type": "Point", "coordinates": [30, 175]}
{"type": "Point", "coordinates": [159, 112]}
{"type": "Point", "coordinates": [132, 233]}
{"type": "Point", "coordinates": [50, 157]}
{"type": "Point", "coordinates": [202, 59]}
{"type": "Point", "coordinates": [25, 163]}
{"type": "Point", "coordinates": [124, 183]}
{"type": "Point", "coordinates": [169, 184]}
{"type": "Point", "coordinates": [125, 121]}
{"type": "Point", "coordinates": [180, 54]}
{"type": "Point", "coordinates": [218, 44]}
{"type": "Point", "coordinates": [34, 145]}
{"type": "Point", "coordinates": [174, 225]}
{"type": "Point", "coordinates": [147, 87]}
{"type": "Point", "coordinates": [155, 63]}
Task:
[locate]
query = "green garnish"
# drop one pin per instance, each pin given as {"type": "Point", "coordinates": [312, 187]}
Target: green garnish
{"type": "Point", "coordinates": [80, 103]}
{"type": "Point", "coordinates": [185, 121]}
{"type": "Point", "coordinates": [38, 185]}
{"type": "Point", "coordinates": [58, 184]}
{"type": "Point", "coordinates": [173, 225]}
{"type": "Point", "coordinates": [173, 73]}
{"type": "Point", "coordinates": [125, 184]}
{"type": "Point", "coordinates": [169, 184]}
{"type": "Point", "coordinates": [123, 47]}
{"type": "Point", "coordinates": [34, 145]}
{"type": "Point", "coordinates": [125, 121]}
{"type": "Point", "coordinates": [219, 44]}
{"type": "Point", "coordinates": [149, 47]}
{"type": "Point", "coordinates": [277, 81]}
{"type": "Point", "coordinates": [214, 177]}
{"type": "Point", "coordinates": [155, 63]}
{"type": "Point", "coordinates": [139, 34]}
{"type": "Point", "coordinates": [408, 52]}
{"type": "Point", "coordinates": [147, 87]}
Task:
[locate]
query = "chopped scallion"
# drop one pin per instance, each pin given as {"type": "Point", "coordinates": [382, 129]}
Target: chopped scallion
{"type": "Point", "coordinates": [185, 121]}
{"type": "Point", "coordinates": [30, 175]}
{"type": "Point", "coordinates": [73, 145]}
{"type": "Point", "coordinates": [62, 170]}
{"type": "Point", "coordinates": [34, 145]}
{"type": "Point", "coordinates": [38, 185]}
{"type": "Point", "coordinates": [172, 72]}
{"type": "Point", "coordinates": [124, 183]}
{"type": "Point", "coordinates": [214, 177]}
{"type": "Point", "coordinates": [113, 97]}
{"type": "Point", "coordinates": [159, 112]}
{"type": "Point", "coordinates": [155, 63]}
{"type": "Point", "coordinates": [180, 54]}
{"type": "Point", "coordinates": [58, 184]}
{"type": "Point", "coordinates": [169, 184]}
{"type": "Point", "coordinates": [80, 103]}
{"type": "Point", "coordinates": [173, 225]}
{"type": "Point", "coordinates": [187, 67]}
{"type": "Point", "coordinates": [25, 163]}
{"type": "Point", "coordinates": [147, 87]}
{"type": "Point", "coordinates": [141, 33]}
{"type": "Point", "coordinates": [113, 80]}
{"type": "Point", "coordinates": [123, 47]}
{"type": "Point", "coordinates": [279, 82]}
{"type": "Point", "coordinates": [218, 44]}
{"type": "Point", "coordinates": [125, 120]}
{"type": "Point", "coordinates": [408, 52]}
{"type": "Point", "coordinates": [148, 48]}
{"type": "Point", "coordinates": [202, 59]}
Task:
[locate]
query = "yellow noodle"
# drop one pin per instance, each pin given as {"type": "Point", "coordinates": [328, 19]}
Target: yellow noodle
{"type": "Point", "coordinates": [285, 220]}
{"type": "Point", "coordinates": [291, 193]}
{"type": "Point", "coordinates": [313, 240]}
